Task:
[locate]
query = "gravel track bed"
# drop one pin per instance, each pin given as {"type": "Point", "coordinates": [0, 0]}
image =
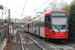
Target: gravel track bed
{"type": "Point", "coordinates": [46, 45]}
{"type": "Point", "coordinates": [27, 43]}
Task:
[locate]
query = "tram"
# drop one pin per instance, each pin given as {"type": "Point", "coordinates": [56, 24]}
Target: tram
{"type": "Point", "coordinates": [52, 25]}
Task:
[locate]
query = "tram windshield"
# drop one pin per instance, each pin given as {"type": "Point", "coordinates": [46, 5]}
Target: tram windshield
{"type": "Point", "coordinates": [59, 20]}
{"type": "Point", "coordinates": [59, 26]}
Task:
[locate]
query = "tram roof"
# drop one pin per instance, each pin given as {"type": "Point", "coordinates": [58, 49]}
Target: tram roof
{"type": "Point", "coordinates": [49, 12]}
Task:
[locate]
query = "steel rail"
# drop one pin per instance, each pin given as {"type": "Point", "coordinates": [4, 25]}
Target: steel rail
{"type": "Point", "coordinates": [59, 47]}
{"type": "Point", "coordinates": [69, 44]}
{"type": "Point", "coordinates": [37, 43]}
{"type": "Point", "coordinates": [21, 42]}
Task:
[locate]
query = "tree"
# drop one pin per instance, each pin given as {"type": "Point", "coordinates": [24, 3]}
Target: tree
{"type": "Point", "coordinates": [5, 21]}
{"type": "Point", "coordinates": [66, 7]}
{"type": "Point", "coordinates": [0, 20]}
{"type": "Point", "coordinates": [1, 7]}
{"type": "Point", "coordinates": [54, 6]}
{"type": "Point", "coordinates": [34, 18]}
{"type": "Point", "coordinates": [45, 10]}
{"type": "Point", "coordinates": [26, 19]}
{"type": "Point", "coordinates": [72, 3]}
{"type": "Point", "coordinates": [72, 22]}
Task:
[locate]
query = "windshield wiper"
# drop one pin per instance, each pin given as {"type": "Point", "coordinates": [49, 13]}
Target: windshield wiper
{"type": "Point", "coordinates": [56, 27]}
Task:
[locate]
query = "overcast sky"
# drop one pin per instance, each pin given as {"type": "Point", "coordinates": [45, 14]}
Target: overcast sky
{"type": "Point", "coordinates": [16, 6]}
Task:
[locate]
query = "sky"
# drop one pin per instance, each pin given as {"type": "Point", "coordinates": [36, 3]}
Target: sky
{"type": "Point", "coordinates": [17, 6]}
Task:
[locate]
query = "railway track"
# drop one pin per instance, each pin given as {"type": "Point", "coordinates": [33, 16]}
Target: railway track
{"type": "Point", "coordinates": [46, 45]}
{"type": "Point", "coordinates": [61, 45]}
{"type": "Point", "coordinates": [64, 46]}
{"type": "Point", "coordinates": [27, 43]}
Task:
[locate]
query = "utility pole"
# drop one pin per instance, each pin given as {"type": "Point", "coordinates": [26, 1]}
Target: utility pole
{"type": "Point", "coordinates": [9, 34]}
{"type": "Point", "coordinates": [2, 18]}
{"type": "Point", "coordinates": [13, 28]}
{"type": "Point", "coordinates": [15, 24]}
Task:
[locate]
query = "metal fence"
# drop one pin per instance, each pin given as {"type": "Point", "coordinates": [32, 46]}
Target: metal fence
{"type": "Point", "coordinates": [2, 35]}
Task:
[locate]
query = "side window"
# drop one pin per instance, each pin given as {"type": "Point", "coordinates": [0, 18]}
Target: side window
{"type": "Point", "coordinates": [33, 24]}
{"type": "Point", "coordinates": [47, 22]}
{"type": "Point", "coordinates": [40, 22]}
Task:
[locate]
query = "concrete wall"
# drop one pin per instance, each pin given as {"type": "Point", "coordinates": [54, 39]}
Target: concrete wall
{"type": "Point", "coordinates": [3, 45]}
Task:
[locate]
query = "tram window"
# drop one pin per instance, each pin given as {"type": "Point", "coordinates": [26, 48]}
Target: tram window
{"type": "Point", "coordinates": [47, 18]}
{"type": "Point", "coordinates": [47, 22]}
{"type": "Point", "coordinates": [33, 25]}
{"type": "Point", "coordinates": [39, 22]}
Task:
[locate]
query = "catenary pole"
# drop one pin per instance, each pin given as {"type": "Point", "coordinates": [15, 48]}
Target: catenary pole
{"type": "Point", "coordinates": [9, 34]}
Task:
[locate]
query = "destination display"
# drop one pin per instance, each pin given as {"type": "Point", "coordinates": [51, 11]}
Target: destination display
{"type": "Point", "coordinates": [58, 14]}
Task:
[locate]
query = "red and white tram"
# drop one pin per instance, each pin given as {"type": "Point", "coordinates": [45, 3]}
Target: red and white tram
{"type": "Point", "coordinates": [52, 25]}
{"type": "Point", "coordinates": [26, 27]}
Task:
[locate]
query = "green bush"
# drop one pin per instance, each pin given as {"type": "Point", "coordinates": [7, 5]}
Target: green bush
{"type": "Point", "coordinates": [72, 23]}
